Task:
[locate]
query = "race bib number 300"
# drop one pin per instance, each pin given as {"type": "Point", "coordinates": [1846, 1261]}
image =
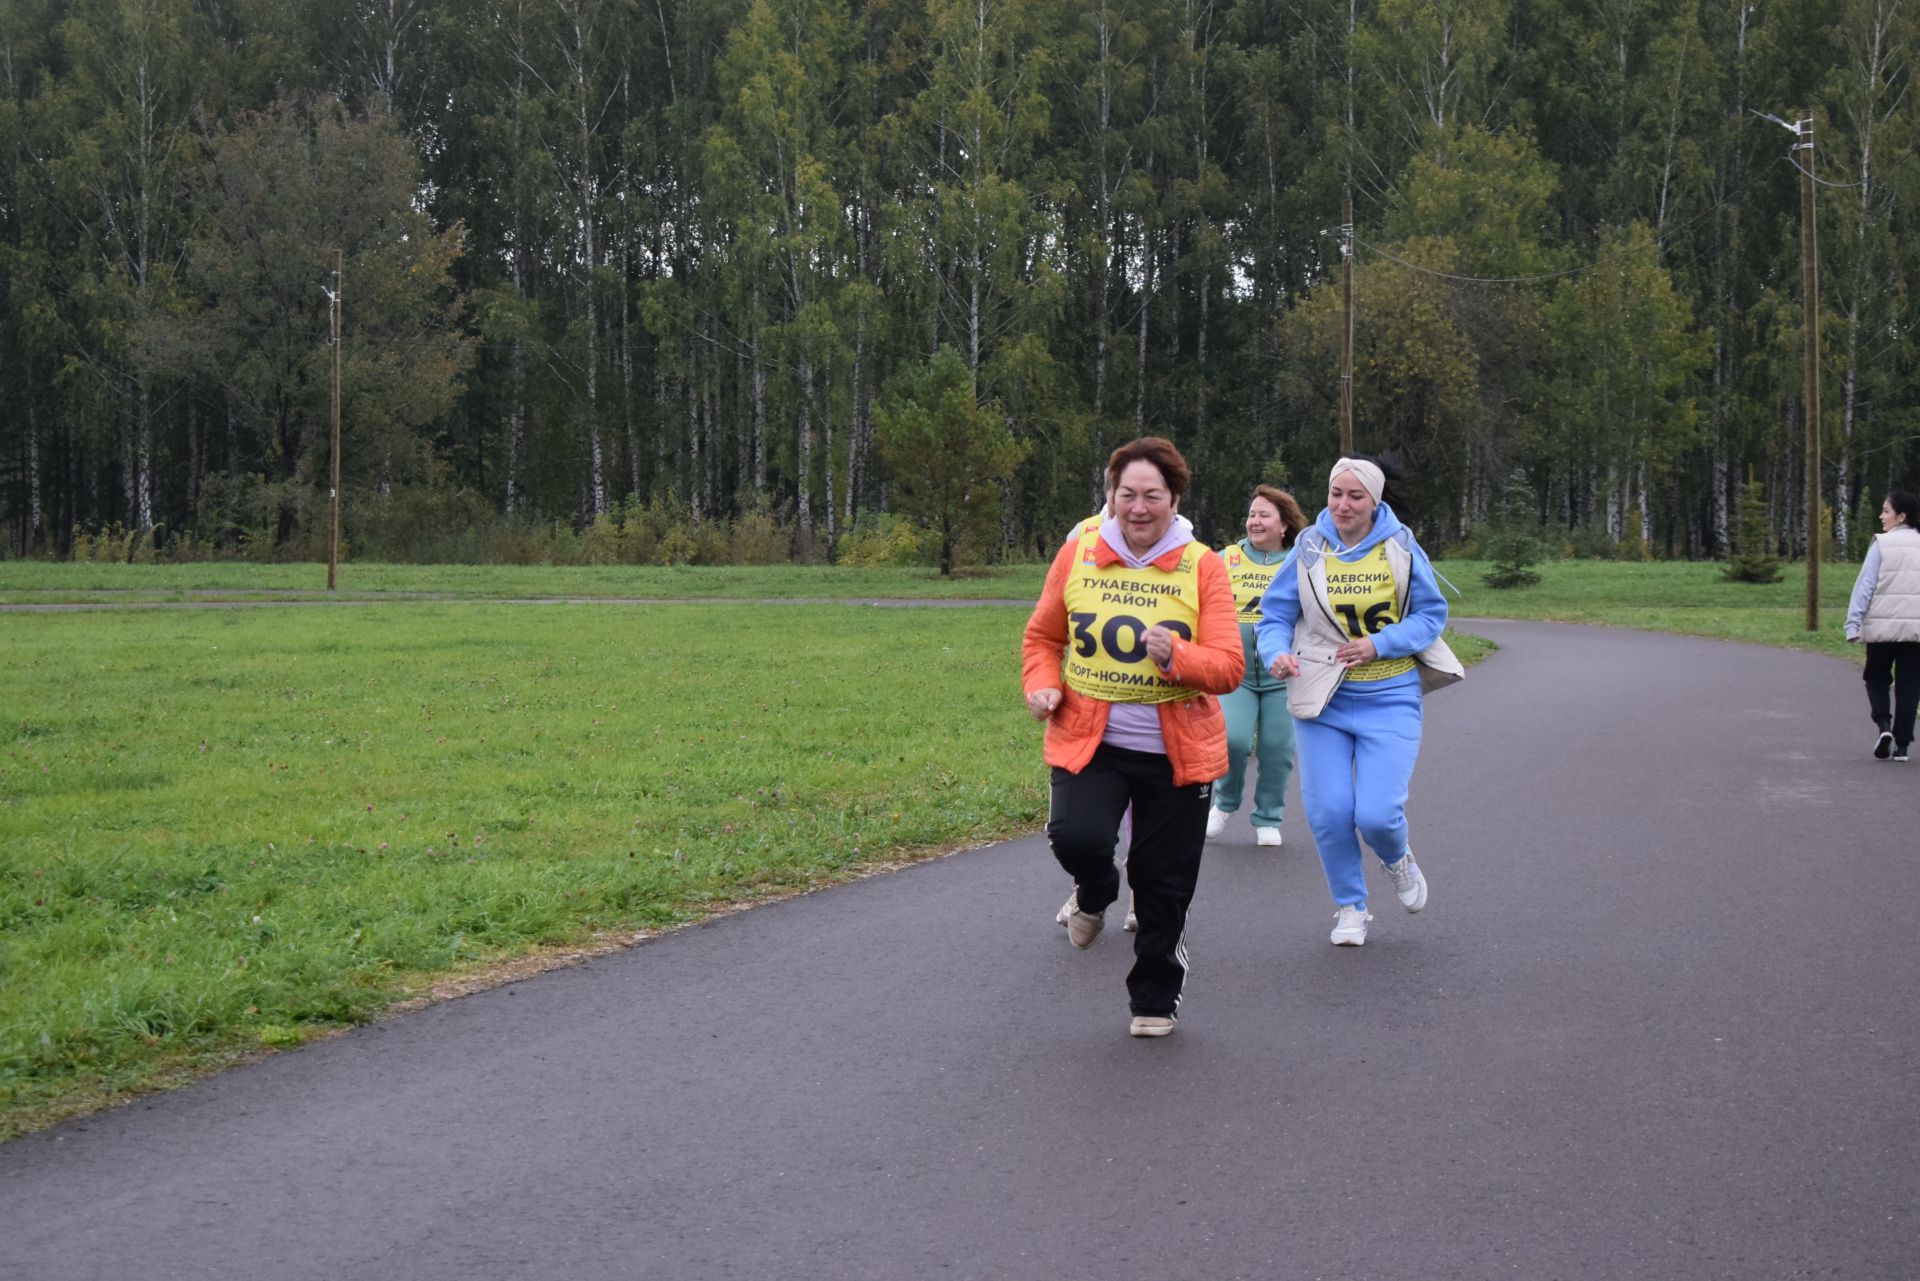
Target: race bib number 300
{"type": "Point", "coordinates": [1108, 613]}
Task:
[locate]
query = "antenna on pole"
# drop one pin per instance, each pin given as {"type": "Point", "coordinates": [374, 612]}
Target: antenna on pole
{"type": "Point", "coordinates": [1802, 131]}
{"type": "Point", "coordinates": [1346, 328]}
{"type": "Point", "coordinates": [333, 491]}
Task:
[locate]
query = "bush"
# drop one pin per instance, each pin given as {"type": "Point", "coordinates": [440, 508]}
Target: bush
{"type": "Point", "coordinates": [758, 538]}
{"type": "Point", "coordinates": [112, 545]}
{"type": "Point", "coordinates": [420, 523]}
{"type": "Point", "coordinates": [886, 538]}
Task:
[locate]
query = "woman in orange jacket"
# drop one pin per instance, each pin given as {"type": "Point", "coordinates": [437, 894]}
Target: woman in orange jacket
{"type": "Point", "coordinates": [1133, 636]}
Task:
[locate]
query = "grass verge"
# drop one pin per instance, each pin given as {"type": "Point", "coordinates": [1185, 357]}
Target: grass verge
{"type": "Point", "coordinates": [1688, 597]}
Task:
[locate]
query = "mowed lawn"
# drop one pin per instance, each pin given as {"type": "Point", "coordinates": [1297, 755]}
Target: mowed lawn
{"type": "Point", "coordinates": [222, 829]}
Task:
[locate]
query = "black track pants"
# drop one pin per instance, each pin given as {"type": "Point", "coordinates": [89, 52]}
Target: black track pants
{"type": "Point", "coordinates": [1893, 667]}
{"type": "Point", "coordinates": [1163, 863]}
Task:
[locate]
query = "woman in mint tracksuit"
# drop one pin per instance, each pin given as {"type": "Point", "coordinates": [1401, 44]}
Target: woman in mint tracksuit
{"type": "Point", "coordinates": [1258, 709]}
{"type": "Point", "coordinates": [1352, 620]}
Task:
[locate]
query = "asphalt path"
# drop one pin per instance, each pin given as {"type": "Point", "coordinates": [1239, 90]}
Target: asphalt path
{"type": "Point", "coordinates": [1657, 1021]}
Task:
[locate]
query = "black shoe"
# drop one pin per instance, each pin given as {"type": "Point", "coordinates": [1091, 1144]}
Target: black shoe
{"type": "Point", "coordinates": [1884, 748]}
{"type": "Point", "coordinates": [1900, 752]}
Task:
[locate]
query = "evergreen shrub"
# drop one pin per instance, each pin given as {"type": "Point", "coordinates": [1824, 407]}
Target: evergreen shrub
{"type": "Point", "coordinates": [1514, 543]}
{"type": "Point", "coordinates": [1752, 559]}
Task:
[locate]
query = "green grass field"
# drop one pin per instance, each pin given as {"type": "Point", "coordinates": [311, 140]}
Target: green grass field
{"type": "Point", "coordinates": [228, 830]}
{"type": "Point", "coordinates": [223, 829]}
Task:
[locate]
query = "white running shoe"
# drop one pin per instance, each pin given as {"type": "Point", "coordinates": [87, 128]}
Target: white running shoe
{"type": "Point", "coordinates": [1408, 882]}
{"type": "Point", "coordinates": [1082, 927]}
{"type": "Point", "coordinates": [1350, 926]}
{"type": "Point", "coordinates": [1266, 836]}
{"type": "Point", "coordinates": [1151, 1025]}
{"type": "Point", "coordinates": [1217, 821]}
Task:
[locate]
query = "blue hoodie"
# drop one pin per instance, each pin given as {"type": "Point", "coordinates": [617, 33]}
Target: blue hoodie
{"type": "Point", "coordinates": [1426, 607]}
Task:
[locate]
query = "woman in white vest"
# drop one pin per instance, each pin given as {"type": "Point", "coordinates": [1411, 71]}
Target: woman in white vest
{"type": "Point", "coordinates": [1131, 640]}
{"type": "Point", "coordinates": [1257, 719]}
{"type": "Point", "coordinates": [1352, 622]}
{"type": "Point", "coordinates": [1885, 613]}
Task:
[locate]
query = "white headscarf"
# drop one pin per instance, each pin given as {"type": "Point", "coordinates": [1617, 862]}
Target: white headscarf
{"type": "Point", "coordinates": [1368, 474]}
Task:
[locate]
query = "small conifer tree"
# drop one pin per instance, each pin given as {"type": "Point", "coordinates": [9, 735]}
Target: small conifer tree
{"type": "Point", "coordinates": [1514, 544]}
{"type": "Point", "coordinates": [1752, 558]}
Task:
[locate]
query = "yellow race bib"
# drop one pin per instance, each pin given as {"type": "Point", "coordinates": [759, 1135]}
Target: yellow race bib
{"type": "Point", "coordinates": [1363, 599]}
{"type": "Point", "coordinates": [1108, 613]}
{"type": "Point", "coordinates": [1249, 578]}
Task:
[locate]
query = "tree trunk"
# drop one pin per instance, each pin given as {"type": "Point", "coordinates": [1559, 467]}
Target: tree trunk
{"type": "Point", "coordinates": [803, 480]}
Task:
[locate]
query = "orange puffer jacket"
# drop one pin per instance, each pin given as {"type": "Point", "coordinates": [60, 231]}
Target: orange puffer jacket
{"type": "Point", "coordinates": [1195, 730]}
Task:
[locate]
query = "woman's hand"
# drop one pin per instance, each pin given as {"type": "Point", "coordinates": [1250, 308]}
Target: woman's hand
{"type": "Point", "coordinates": [1355, 652]}
{"type": "Point", "coordinates": [1159, 644]}
{"type": "Point", "coordinates": [1043, 703]}
{"type": "Point", "coordinates": [1284, 667]}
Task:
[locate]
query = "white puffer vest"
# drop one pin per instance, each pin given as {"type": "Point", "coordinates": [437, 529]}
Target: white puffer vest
{"type": "Point", "coordinates": [1894, 612]}
{"type": "Point", "coordinates": [1318, 634]}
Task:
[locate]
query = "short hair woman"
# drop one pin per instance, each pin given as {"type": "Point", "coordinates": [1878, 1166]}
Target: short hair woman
{"type": "Point", "coordinates": [1132, 638]}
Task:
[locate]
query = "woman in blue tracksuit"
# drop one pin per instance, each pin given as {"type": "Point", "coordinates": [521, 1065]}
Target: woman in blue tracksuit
{"type": "Point", "coordinates": [1350, 620]}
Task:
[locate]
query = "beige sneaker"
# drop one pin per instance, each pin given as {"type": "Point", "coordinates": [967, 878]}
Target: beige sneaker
{"type": "Point", "coordinates": [1151, 1025]}
{"type": "Point", "coordinates": [1082, 927]}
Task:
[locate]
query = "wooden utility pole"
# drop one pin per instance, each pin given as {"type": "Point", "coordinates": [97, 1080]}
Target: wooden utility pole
{"type": "Point", "coordinates": [1346, 257]}
{"type": "Point", "coordinates": [1346, 327]}
{"type": "Point", "coordinates": [333, 492]}
{"type": "Point", "coordinates": [1810, 362]}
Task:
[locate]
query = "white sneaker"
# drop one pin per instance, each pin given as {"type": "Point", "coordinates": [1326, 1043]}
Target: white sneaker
{"type": "Point", "coordinates": [1408, 882]}
{"type": "Point", "coordinates": [1132, 924]}
{"type": "Point", "coordinates": [1151, 1025]}
{"type": "Point", "coordinates": [1082, 927]}
{"type": "Point", "coordinates": [1350, 926]}
{"type": "Point", "coordinates": [1217, 821]}
{"type": "Point", "coordinates": [1266, 836]}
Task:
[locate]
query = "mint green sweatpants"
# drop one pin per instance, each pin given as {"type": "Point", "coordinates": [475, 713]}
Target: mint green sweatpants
{"type": "Point", "coordinates": [1257, 724]}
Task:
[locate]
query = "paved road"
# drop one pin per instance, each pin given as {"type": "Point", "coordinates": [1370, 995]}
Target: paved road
{"type": "Point", "coordinates": [1658, 1021]}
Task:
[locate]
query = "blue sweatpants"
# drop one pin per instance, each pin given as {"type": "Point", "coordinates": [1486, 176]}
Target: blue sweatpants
{"type": "Point", "coordinates": [1356, 761]}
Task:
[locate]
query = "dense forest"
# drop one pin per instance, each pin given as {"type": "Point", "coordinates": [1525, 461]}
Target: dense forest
{"type": "Point", "coordinates": [744, 279]}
